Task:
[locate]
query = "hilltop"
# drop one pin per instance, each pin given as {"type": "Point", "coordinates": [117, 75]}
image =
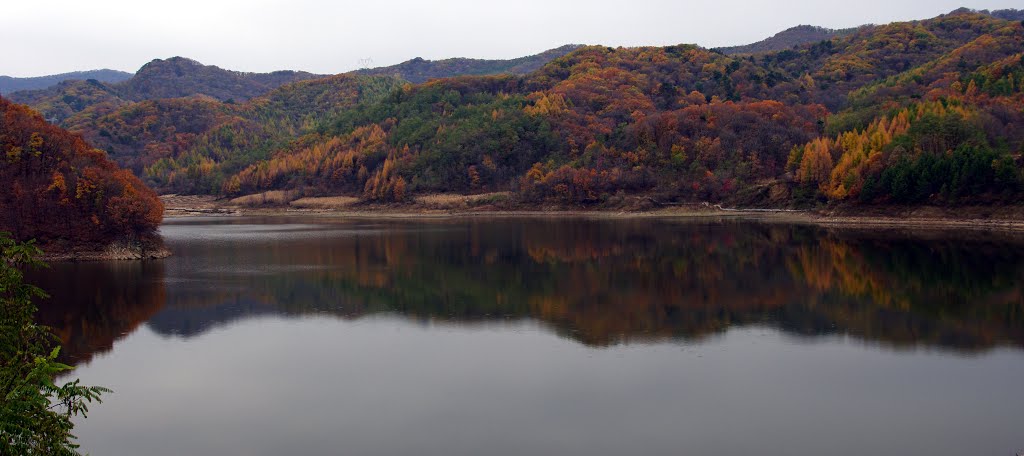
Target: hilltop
{"type": "Point", "coordinates": [808, 34]}
{"type": "Point", "coordinates": [419, 70]}
{"type": "Point", "coordinates": [181, 77]}
{"type": "Point", "coordinates": [788, 39]}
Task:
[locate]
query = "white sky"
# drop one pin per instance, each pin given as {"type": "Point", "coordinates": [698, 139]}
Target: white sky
{"type": "Point", "coordinates": [39, 37]}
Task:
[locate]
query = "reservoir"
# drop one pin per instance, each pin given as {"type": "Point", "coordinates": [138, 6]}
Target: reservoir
{"type": "Point", "coordinates": [569, 336]}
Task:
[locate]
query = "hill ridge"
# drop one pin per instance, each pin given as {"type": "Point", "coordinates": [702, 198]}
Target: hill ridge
{"type": "Point", "coordinates": [418, 69]}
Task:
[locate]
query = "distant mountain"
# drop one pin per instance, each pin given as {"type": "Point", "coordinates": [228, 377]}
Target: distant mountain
{"type": "Point", "coordinates": [176, 77]}
{"type": "Point", "coordinates": [419, 70]}
{"type": "Point", "coordinates": [10, 84]}
{"type": "Point", "coordinates": [788, 39]}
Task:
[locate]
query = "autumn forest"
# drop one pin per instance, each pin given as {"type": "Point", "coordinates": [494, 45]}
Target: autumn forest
{"type": "Point", "coordinates": [926, 112]}
{"type": "Point", "coordinates": [808, 244]}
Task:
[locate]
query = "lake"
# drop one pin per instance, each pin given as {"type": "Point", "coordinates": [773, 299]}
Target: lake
{"type": "Point", "coordinates": [468, 336]}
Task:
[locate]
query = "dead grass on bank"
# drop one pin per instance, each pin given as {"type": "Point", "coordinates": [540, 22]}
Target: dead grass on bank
{"type": "Point", "coordinates": [271, 198]}
{"type": "Point", "coordinates": [175, 201]}
{"type": "Point", "coordinates": [324, 202]}
{"type": "Point", "coordinates": [456, 201]}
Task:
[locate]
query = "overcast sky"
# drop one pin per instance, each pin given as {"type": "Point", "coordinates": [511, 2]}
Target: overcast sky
{"type": "Point", "coordinates": [40, 37]}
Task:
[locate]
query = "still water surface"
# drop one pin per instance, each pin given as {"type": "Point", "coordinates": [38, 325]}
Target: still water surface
{"type": "Point", "coordinates": [548, 336]}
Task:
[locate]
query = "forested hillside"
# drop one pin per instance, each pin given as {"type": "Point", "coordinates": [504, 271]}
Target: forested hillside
{"type": "Point", "coordinates": [911, 112]}
{"type": "Point", "coordinates": [190, 144]}
{"type": "Point", "coordinates": [57, 189]}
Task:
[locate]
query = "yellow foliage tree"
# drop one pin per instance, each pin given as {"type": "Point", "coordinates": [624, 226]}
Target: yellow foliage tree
{"type": "Point", "coordinates": [816, 164]}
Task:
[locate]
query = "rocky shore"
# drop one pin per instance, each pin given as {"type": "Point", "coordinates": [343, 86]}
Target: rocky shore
{"type": "Point", "coordinates": [149, 250]}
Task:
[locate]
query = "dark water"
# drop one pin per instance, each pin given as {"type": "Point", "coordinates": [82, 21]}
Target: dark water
{"type": "Point", "coordinates": [467, 337]}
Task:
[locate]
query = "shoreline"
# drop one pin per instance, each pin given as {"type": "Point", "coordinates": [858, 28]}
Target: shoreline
{"type": "Point", "coordinates": [1007, 222]}
{"type": "Point", "coordinates": [1005, 219]}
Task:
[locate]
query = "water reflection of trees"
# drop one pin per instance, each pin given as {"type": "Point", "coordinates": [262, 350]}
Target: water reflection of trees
{"type": "Point", "coordinates": [602, 282]}
{"type": "Point", "coordinates": [605, 282]}
{"type": "Point", "coordinates": [91, 305]}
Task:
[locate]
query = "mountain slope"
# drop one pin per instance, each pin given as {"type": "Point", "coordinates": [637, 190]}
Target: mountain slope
{"type": "Point", "coordinates": [161, 78]}
{"type": "Point", "coordinates": [10, 84]}
{"type": "Point", "coordinates": [419, 70]}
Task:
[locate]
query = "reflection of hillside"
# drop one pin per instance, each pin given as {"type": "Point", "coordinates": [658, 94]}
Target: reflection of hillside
{"type": "Point", "coordinates": [598, 282]}
{"type": "Point", "coordinates": [93, 304]}
{"type": "Point", "coordinates": [910, 292]}
{"type": "Point", "coordinates": [603, 282]}
{"type": "Point", "coordinates": [191, 320]}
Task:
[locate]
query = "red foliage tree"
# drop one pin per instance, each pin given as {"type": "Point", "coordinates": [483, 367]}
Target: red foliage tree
{"type": "Point", "coordinates": [58, 190]}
